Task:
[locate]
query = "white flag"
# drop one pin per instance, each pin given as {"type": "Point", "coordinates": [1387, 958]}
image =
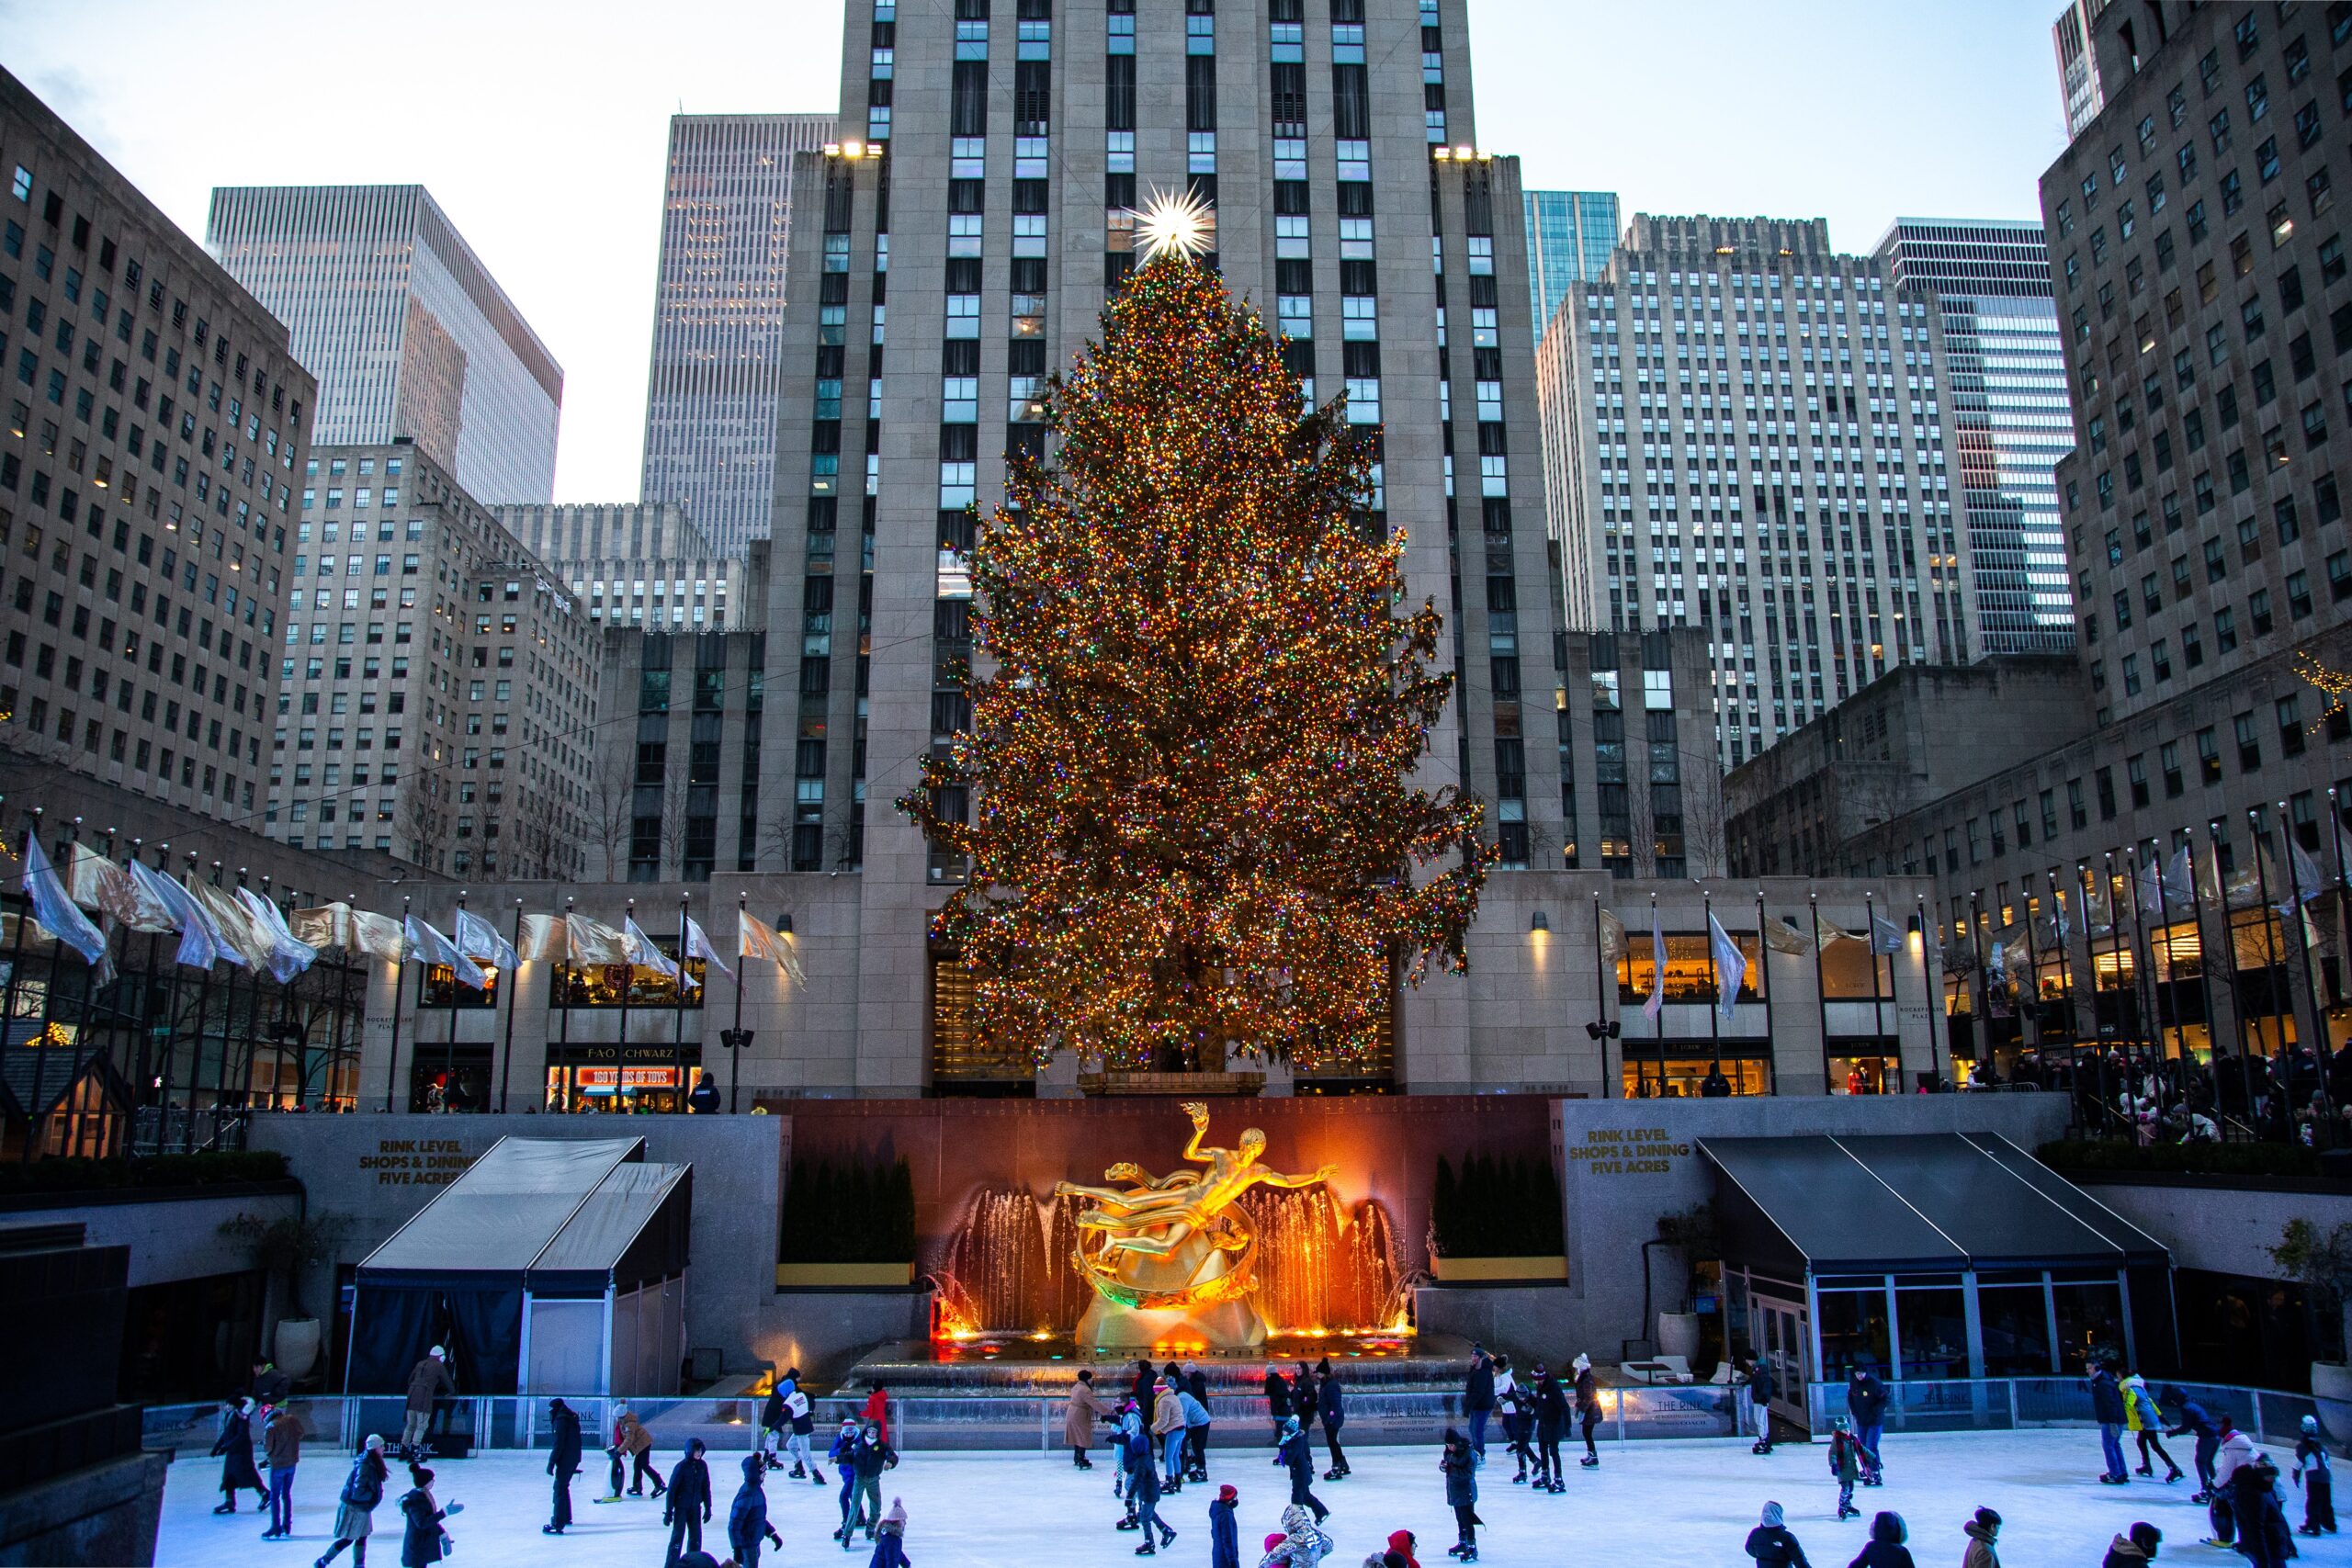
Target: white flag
{"type": "Point", "coordinates": [429, 946]}
{"type": "Point", "coordinates": [286, 955]}
{"type": "Point", "coordinates": [1731, 966]}
{"type": "Point", "coordinates": [698, 946]}
{"type": "Point", "coordinates": [480, 941]}
{"type": "Point", "coordinates": [202, 944]}
{"type": "Point", "coordinates": [1657, 1003]}
{"type": "Point", "coordinates": [643, 953]}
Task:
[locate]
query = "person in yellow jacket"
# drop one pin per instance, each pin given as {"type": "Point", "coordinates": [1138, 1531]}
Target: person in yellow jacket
{"type": "Point", "coordinates": [2146, 1425]}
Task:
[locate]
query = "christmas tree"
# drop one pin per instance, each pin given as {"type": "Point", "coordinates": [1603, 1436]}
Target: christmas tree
{"type": "Point", "coordinates": [1194, 828]}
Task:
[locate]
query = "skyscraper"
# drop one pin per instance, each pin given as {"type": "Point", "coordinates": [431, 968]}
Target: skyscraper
{"type": "Point", "coordinates": [1354, 206]}
{"type": "Point", "coordinates": [405, 329]}
{"type": "Point", "coordinates": [1570, 234]}
{"type": "Point", "coordinates": [2078, 78]}
{"type": "Point", "coordinates": [718, 316]}
{"type": "Point", "coordinates": [2009, 415]}
{"type": "Point", "coordinates": [1779, 472]}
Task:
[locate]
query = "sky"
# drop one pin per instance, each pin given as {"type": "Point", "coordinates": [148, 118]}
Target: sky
{"type": "Point", "coordinates": [541, 128]}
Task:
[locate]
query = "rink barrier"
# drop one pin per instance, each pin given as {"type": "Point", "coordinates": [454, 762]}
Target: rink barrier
{"type": "Point", "coordinates": [937, 1422]}
{"type": "Point", "coordinates": [2005, 1405]}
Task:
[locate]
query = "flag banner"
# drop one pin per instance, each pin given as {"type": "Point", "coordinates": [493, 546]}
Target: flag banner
{"type": "Point", "coordinates": [1657, 1003]}
{"type": "Point", "coordinates": [643, 953]}
{"type": "Point", "coordinates": [544, 938]}
{"type": "Point", "coordinates": [2308, 883]}
{"type": "Point", "coordinates": [96, 882]}
{"type": "Point", "coordinates": [2150, 885]}
{"type": "Point", "coordinates": [53, 907]}
{"type": "Point", "coordinates": [753, 940]}
{"type": "Point", "coordinates": [285, 957]}
{"type": "Point", "coordinates": [377, 936]}
{"type": "Point", "coordinates": [1731, 966]}
{"type": "Point", "coordinates": [1885, 935]}
{"type": "Point", "coordinates": [2180, 879]}
{"type": "Point", "coordinates": [480, 941]}
{"type": "Point", "coordinates": [202, 944]}
{"type": "Point", "coordinates": [1782, 936]}
{"type": "Point", "coordinates": [1613, 936]}
{"type": "Point", "coordinates": [429, 946]}
{"type": "Point", "coordinates": [246, 948]}
{"type": "Point", "coordinates": [592, 941]}
{"type": "Point", "coordinates": [1826, 933]}
{"type": "Point", "coordinates": [698, 946]}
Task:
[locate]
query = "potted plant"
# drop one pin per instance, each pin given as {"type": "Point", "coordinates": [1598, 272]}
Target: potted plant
{"type": "Point", "coordinates": [284, 1248]}
{"type": "Point", "coordinates": [1691, 1231]}
{"type": "Point", "coordinates": [2322, 1261]}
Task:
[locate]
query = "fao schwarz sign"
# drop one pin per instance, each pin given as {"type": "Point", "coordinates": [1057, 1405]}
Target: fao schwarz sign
{"type": "Point", "coordinates": [416, 1162]}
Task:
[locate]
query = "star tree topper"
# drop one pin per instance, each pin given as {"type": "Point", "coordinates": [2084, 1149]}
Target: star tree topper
{"type": "Point", "coordinates": [1174, 221]}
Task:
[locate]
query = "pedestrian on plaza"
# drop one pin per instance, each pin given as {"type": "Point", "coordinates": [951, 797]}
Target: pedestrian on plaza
{"type": "Point", "coordinates": [1299, 1459]}
{"type": "Point", "coordinates": [1984, 1533]}
{"type": "Point", "coordinates": [633, 1445]}
{"type": "Point", "coordinates": [747, 1516]}
{"type": "Point", "coordinates": [1760, 1390]}
{"type": "Point", "coordinates": [1277, 1398]}
{"type": "Point", "coordinates": [890, 1542]}
{"type": "Point", "coordinates": [2193, 1419]}
{"type": "Point", "coordinates": [2134, 1548]}
{"type": "Point", "coordinates": [1168, 1437]}
{"type": "Point", "coordinates": [2144, 1422]}
{"type": "Point", "coordinates": [688, 1495]}
{"type": "Point", "coordinates": [1866, 1402]}
{"type": "Point", "coordinates": [1772, 1544]}
{"type": "Point", "coordinates": [1885, 1548]}
{"type": "Point", "coordinates": [844, 1453]}
{"type": "Point", "coordinates": [1847, 1464]}
{"type": "Point", "coordinates": [2260, 1504]}
{"type": "Point", "coordinates": [1587, 1408]}
{"type": "Point", "coordinates": [270, 1386]}
{"type": "Point", "coordinates": [563, 1463]}
{"type": "Point", "coordinates": [1332, 1404]}
{"type": "Point", "coordinates": [704, 1100]}
{"type": "Point", "coordinates": [1146, 1494]}
{"type": "Point", "coordinates": [877, 1413]}
{"type": "Point", "coordinates": [2108, 1409]}
{"type": "Point", "coordinates": [1225, 1533]}
{"type": "Point", "coordinates": [235, 1448]}
{"type": "Point", "coordinates": [1459, 1463]}
{"type": "Point", "coordinates": [1301, 1544]}
{"type": "Point", "coordinates": [2312, 1474]}
{"type": "Point", "coordinates": [422, 1540]}
{"type": "Point", "coordinates": [1195, 1411]}
{"type": "Point", "coordinates": [803, 1417]}
{"type": "Point", "coordinates": [427, 1382]}
{"type": "Point", "coordinates": [1085, 1408]}
{"type": "Point", "coordinates": [281, 1444]}
{"type": "Point", "coordinates": [355, 1513]}
{"type": "Point", "coordinates": [1550, 1421]}
{"type": "Point", "coordinates": [1478, 1396]}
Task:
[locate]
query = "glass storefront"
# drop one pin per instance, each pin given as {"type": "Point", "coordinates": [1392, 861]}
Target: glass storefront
{"type": "Point", "coordinates": [1683, 1071]}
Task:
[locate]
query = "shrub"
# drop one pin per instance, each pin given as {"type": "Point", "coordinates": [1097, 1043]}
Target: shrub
{"type": "Point", "coordinates": [848, 1214]}
{"type": "Point", "coordinates": [1495, 1208]}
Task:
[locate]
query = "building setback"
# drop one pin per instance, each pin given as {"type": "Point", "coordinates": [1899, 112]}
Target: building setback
{"type": "Point", "coordinates": [2009, 415]}
{"type": "Point", "coordinates": [439, 697]}
{"type": "Point", "coordinates": [644, 564]}
{"type": "Point", "coordinates": [1746, 431]}
{"type": "Point", "coordinates": [156, 424]}
{"type": "Point", "coordinates": [710, 397]}
{"type": "Point", "coordinates": [1570, 236]}
{"type": "Point", "coordinates": [405, 329]}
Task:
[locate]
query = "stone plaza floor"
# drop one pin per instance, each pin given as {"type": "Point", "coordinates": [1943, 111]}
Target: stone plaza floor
{"type": "Point", "coordinates": [1661, 1503]}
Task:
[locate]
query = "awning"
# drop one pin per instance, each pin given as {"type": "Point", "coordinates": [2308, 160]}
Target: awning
{"type": "Point", "coordinates": [554, 1215]}
{"type": "Point", "coordinates": [1931, 1203]}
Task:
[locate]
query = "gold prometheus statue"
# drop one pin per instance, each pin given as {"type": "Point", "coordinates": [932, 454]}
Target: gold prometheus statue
{"type": "Point", "coordinates": [1176, 1241]}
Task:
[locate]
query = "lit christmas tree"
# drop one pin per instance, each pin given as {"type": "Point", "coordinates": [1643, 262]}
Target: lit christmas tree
{"type": "Point", "coordinates": [1195, 825]}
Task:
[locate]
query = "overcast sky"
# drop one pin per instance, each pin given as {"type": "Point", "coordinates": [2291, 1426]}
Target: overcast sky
{"type": "Point", "coordinates": [540, 127]}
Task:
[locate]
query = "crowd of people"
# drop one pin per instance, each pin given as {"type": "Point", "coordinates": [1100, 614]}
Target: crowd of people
{"type": "Point", "coordinates": [2298, 1095]}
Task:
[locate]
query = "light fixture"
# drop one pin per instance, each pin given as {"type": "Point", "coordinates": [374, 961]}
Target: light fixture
{"type": "Point", "coordinates": [784, 925]}
{"type": "Point", "coordinates": [1541, 922]}
{"type": "Point", "coordinates": [1463, 150]}
{"type": "Point", "coordinates": [853, 148]}
{"type": "Point", "coordinates": [832, 149]}
{"type": "Point", "coordinates": [1443, 154]}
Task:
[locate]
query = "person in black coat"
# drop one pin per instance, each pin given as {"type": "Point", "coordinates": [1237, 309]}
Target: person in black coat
{"type": "Point", "coordinates": [1885, 1548]}
{"type": "Point", "coordinates": [563, 1463]}
{"type": "Point", "coordinates": [1478, 1397]}
{"type": "Point", "coordinates": [1772, 1544]}
{"type": "Point", "coordinates": [686, 1504]}
{"type": "Point", "coordinates": [1866, 1402]}
{"type": "Point", "coordinates": [1761, 1387]}
{"type": "Point", "coordinates": [235, 1448]}
{"type": "Point", "coordinates": [1332, 1404]}
{"type": "Point", "coordinates": [1302, 1399]}
{"type": "Point", "coordinates": [2264, 1537]}
{"type": "Point", "coordinates": [1551, 1420]}
{"type": "Point", "coordinates": [1299, 1459]}
{"type": "Point", "coordinates": [747, 1518]}
{"type": "Point", "coordinates": [421, 1521]}
{"type": "Point", "coordinates": [1145, 1389]}
{"type": "Point", "coordinates": [1277, 1399]}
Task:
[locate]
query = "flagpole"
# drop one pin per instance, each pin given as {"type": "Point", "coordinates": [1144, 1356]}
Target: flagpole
{"type": "Point", "coordinates": [203, 1024]}
{"type": "Point", "coordinates": [16, 967]}
{"type": "Point", "coordinates": [2074, 997]}
{"type": "Point", "coordinates": [678, 1020]}
{"type": "Point", "coordinates": [163, 1080]}
{"type": "Point", "coordinates": [449, 1047]}
{"type": "Point", "coordinates": [2230, 948]}
{"type": "Point", "coordinates": [251, 1052]}
{"type": "Point", "coordinates": [2311, 984]}
{"type": "Point", "coordinates": [563, 981]}
{"type": "Point", "coordinates": [1657, 979]}
{"type": "Point", "coordinates": [2204, 982]}
{"type": "Point", "coordinates": [1931, 991]}
{"type": "Point", "coordinates": [1601, 1004]}
{"type": "Point", "coordinates": [735, 1046]}
{"type": "Point", "coordinates": [82, 1029]}
{"type": "Point", "coordinates": [1715, 1013]}
{"type": "Point", "coordinates": [400, 981]}
{"type": "Point", "coordinates": [2090, 958]}
{"type": "Point", "coordinates": [337, 1045]}
{"type": "Point", "coordinates": [514, 984]}
{"type": "Point", "coordinates": [1979, 1020]}
{"type": "Point", "coordinates": [2271, 953]}
{"type": "Point", "coordinates": [628, 984]}
{"type": "Point", "coordinates": [1878, 1009]}
{"type": "Point", "coordinates": [1764, 983]}
{"type": "Point", "coordinates": [2142, 978]}
{"type": "Point", "coordinates": [1820, 986]}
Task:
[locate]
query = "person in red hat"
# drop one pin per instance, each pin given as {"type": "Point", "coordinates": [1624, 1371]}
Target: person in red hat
{"type": "Point", "coordinates": [1401, 1550]}
{"type": "Point", "coordinates": [1225, 1536]}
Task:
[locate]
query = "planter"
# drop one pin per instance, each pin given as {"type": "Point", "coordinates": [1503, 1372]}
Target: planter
{"type": "Point", "coordinates": [2331, 1392]}
{"type": "Point", "coordinates": [297, 1346]}
{"type": "Point", "coordinates": [1532, 1270]}
{"type": "Point", "coordinates": [1678, 1335]}
{"type": "Point", "coordinates": [844, 1276]}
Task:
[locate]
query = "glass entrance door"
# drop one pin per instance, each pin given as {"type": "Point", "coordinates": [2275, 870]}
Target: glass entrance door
{"type": "Point", "coordinates": [1785, 1336]}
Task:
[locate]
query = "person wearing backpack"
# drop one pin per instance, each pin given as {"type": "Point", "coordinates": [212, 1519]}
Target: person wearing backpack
{"type": "Point", "coordinates": [354, 1515]}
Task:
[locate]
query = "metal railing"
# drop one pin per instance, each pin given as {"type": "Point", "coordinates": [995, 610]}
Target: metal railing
{"type": "Point", "coordinates": [2002, 1405]}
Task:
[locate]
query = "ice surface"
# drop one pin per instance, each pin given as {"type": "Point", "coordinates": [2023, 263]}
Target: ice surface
{"type": "Point", "coordinates": [1655, 1504]}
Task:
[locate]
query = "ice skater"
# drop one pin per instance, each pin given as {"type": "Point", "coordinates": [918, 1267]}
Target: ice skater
{"type": "Point", "coordinates": [688, 1499]}
{"type": "Point", "coordinates": [2312, 1474]}
{"type": "Point", "coordinates": [874, 1455]}
{"type": "Point", "coordinates": [1134, 1452]}
{"type": "Point", "coordinates": [1277, 1399]}
{"type": "Point", "coordinates": [1551, 1420]}
{"type": "Point", "coordinates": [1084, 1409]}
{"type": "Point", "coordinates": [1168, 1436]}
{"type": "Point", "coordinates": [281, 1444]}
{"type": "Point", "coordinates": [2193, 1420]}
{"type": "Point", "coordinates": [235, 1448]}
{"type": "Point", "coordinates": [1772, 1544]}
{"type": "Point", "coordinates": [2145, 1422]}
{"type": "Point", "coordinates": [747, 1516]}
{"type": "Point", "coordinates": [890, 1540]}
{"type": "Point", "coordinates": [1478, 1396]}
{"type": "Point", "coordinates": [355, 1513]}
{"type": "Point", "coordinates": [1760, 1390]}
{"type": "Point", "coordinates": [1984, 1533]}
{"type": "Point", "coordinates": [844, 1453]}
{"type": "Point", "coordinates": [1299, 1459]}
{"type": "Point", "coordinates": [1459, 1462]}
{"type": "Point", "coordinates": [1224, 1531]}
{"type": "Point", "coordinates": [1332, 1404]}
{"type": "Point", "coordinates": [2107, 1410]}
{"type": "Point", "coordinates": [2256, 1497]}
{"type": "Point", "coordinates": [1885, 1548]}
{"type": "Point", "coordinates": [632, 1446]}
{"type": "Point", "coordinates": [1587, 1408]}
{"type": "Point", "coordinates": [563, 1463]}
{"type": "Point", "coordinates": [1515, 1406]}
{"type": "Point", "coordinates": [422, 1540]}
{"type": "Point", "coordinates": [2134, 1548]}
{"type": "Point", "coordinates": [1849, 1461]}
{"type": "Point", "coordinates": [773, 1419]}
{"type": "Point", "coordinates": [1146, 1492]}
{"type": "Point", "coordinates": [427, 1382]}
{"type": "Point", "coordinates": [1301, 1544]}
{"type": "Point", "coordinates": [1197, 1427]}
{"type": "Point", "coordinates": [803, 1420]}
{"type": "Point", "coordinates": [1866, 1402]}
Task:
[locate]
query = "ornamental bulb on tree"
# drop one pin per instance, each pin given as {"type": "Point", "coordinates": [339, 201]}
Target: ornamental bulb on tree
{"type": "Point", "coordinates": [1195, 828]}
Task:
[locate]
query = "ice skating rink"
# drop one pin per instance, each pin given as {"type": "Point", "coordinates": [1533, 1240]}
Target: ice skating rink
{"type": "Point", "coordinates": [1656, 1505]}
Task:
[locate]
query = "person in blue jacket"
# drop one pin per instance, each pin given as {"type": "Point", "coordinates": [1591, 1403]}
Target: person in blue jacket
{"type": "Point", "coordinates": [747, 1516]}
{"type": "Point", "coordinates": [2195, 1421]}
{"type": "Point", "coordinates": [1225, 1536]}
{"type": "Point", "coordinates": [2106, 1409]}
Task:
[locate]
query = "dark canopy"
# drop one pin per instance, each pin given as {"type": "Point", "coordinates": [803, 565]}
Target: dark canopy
{"type": "Point", "coordinates": [1936, 1202]}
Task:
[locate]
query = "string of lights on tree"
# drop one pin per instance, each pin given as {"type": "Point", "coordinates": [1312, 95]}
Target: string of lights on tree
{"type": "Point", "coordinates": [1191, 766]}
